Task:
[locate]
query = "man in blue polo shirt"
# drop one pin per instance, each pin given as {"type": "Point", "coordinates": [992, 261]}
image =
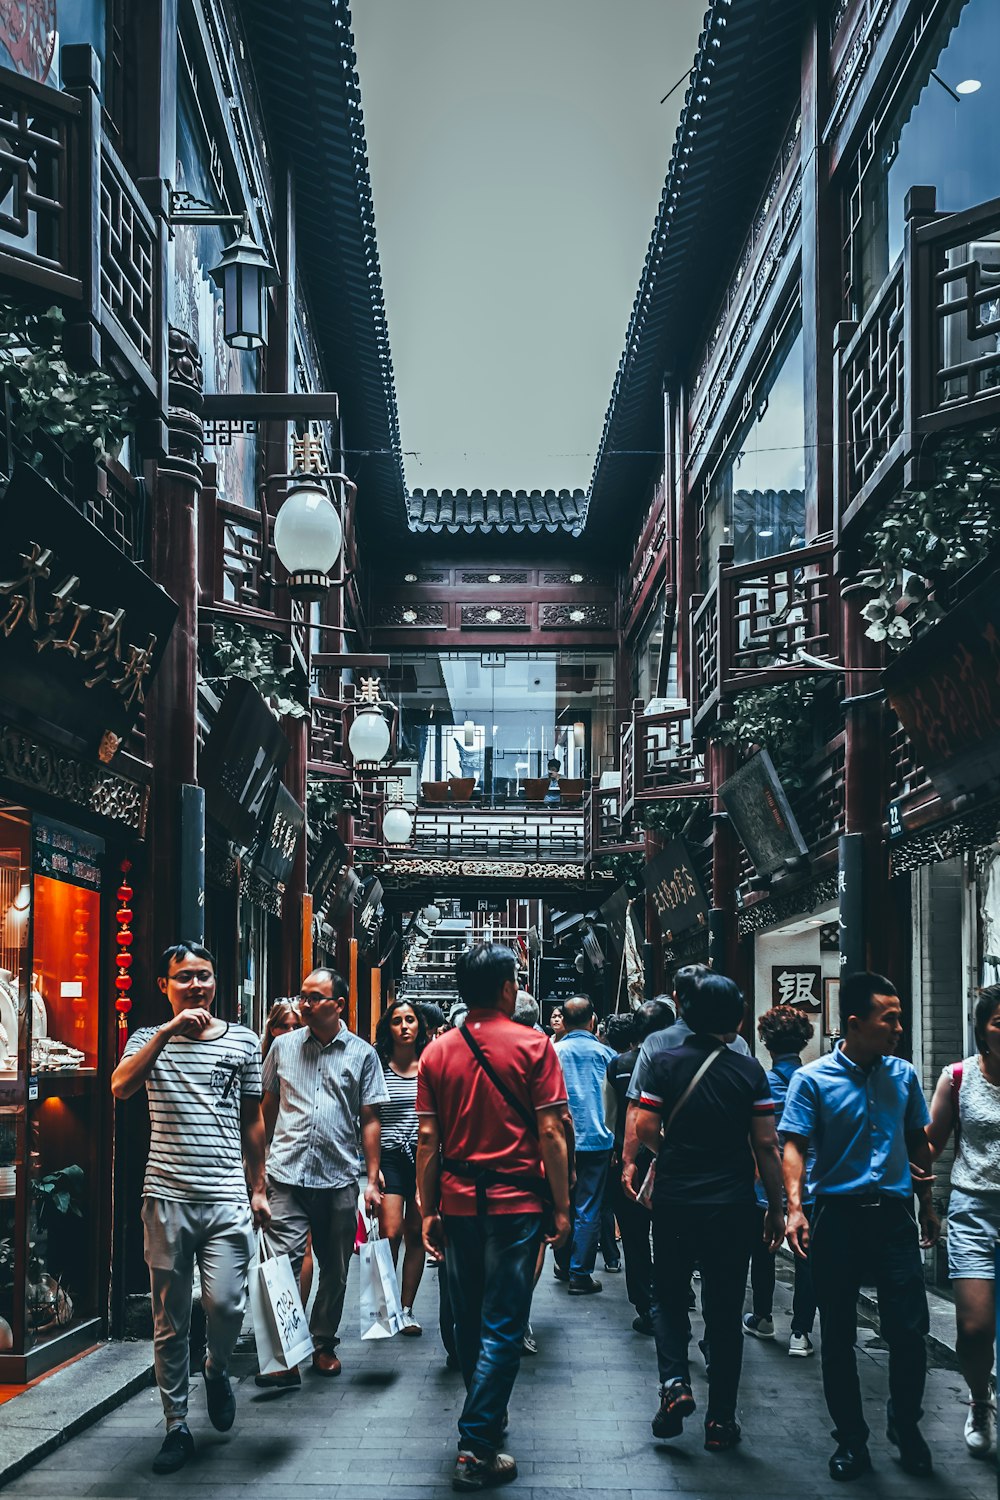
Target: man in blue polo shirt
{"type": "Point", "coordinates": [862, 1111]}
{"type": "Point", "coordinates": [585, 1067]}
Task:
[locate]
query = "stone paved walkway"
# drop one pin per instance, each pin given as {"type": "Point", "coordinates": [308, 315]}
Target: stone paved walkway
{"type": "Point", "coordinates": [579, 1421]}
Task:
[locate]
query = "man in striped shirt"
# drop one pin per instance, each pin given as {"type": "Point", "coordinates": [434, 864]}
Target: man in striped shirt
{"type": "Point", "coordinates": [323, 1087]}
{"type": "Point", "coordinates": [202, 1079]}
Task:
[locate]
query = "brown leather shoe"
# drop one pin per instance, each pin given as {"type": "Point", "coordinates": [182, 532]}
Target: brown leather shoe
{"type": "Point", "coordinates": [325, 1363]}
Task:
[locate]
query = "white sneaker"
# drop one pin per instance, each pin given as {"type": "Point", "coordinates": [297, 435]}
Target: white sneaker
{"type": "Point", "coordinates": [980, 1428]}
{"type": "Point", "coordinates": [800, 1344]}
{"type": "Point", "coordinates": [758, 1328]}
{"type": "Point", "coordinates": [409, 1325]}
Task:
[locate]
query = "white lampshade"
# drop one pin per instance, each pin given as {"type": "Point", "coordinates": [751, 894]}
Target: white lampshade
{"type": "Point", "coordinates": [431, 915]}
{"type": "Point", "coordinates": [397, 825]}
{"type": "Point", "coordinates": [579, 734]}
{"type": "Point", "coordinates": [308, 537]}
{"type": "Point", "coordinates": [368, 738]}
{"type": "Point", "coordinates": [469, 734]}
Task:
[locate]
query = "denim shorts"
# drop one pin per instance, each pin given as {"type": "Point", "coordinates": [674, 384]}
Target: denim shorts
{"type": "Point", "coordinates": [973, 1230]}
{"type": "Point", "coordinates": [399, 1173]}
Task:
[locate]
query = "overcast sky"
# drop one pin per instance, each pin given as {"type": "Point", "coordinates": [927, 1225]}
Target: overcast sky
{"type": "Point", "coordinates": [517, 153]}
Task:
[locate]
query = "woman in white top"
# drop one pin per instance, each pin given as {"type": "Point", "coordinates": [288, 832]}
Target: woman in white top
{"type": "Point", "coordinates": [400, 1037]}
{"type": "Point", "coordinates": [967, 1102]}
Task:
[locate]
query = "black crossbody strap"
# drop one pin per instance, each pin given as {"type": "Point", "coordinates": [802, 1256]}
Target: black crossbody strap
{"type": "Point", "coordinates": [521, 1110]}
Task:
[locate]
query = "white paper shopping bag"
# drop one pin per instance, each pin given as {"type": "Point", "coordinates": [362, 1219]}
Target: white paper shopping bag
{"type": "Point", "coordinates": [280, 1326]}
{"type": "Point", "coordinates": [381, 1310]}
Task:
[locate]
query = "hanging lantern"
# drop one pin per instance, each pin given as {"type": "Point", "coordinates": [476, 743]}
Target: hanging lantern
{"type": "Point", "coordinates": [469, 734]}
{"type": "Point", "coordinates": [431, 915]}
{"type": "Point", "coordinates": [243, 275]}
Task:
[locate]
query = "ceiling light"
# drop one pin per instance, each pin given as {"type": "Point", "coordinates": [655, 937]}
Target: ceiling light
{"type": "Point", "coordinates": [968, 86]}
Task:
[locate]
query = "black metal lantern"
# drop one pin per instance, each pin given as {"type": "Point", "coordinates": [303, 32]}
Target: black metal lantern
{"type": "Point", "coordinates": [243, 275]}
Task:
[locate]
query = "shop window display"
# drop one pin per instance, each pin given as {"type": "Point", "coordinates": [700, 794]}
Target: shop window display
{"type": "Point", "coordinates": [54, 1036]}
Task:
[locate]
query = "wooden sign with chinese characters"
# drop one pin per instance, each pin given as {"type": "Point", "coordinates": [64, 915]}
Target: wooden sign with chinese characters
{"type": "Point", "coordinates": [799, 985]}
{"type": "Point", "coordinates": [277, 850]}
{"type": "Point", "coordinates": [82, 629]}
{"type": "Point", "coordinates": [675, 890]}
{"type": "Point", "coordinates": [240, 764]}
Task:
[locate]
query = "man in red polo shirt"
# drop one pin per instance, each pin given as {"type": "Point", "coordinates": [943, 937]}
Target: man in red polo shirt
{"type": "Point", "coordinates": [491, 1158]}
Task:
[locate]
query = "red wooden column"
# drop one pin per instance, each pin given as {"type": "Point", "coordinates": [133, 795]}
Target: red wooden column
{"type": "Point", "coordinates": [171, 720]}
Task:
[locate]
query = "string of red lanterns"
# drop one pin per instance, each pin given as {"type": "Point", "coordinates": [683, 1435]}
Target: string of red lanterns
{"type": "Point", "coordinates": [123, 959]}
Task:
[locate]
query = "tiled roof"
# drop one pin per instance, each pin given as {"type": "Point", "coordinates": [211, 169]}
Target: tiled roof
{"type": "Point", "coordinates": [306, 68]}
{"type": "Point", "coordinates": [497, 510]}
{"type": "Point", "coordinates": [742, 89]}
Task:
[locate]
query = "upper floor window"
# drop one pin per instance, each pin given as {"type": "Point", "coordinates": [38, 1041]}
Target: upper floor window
{"type": "Point", "coordinates": [756, 498]}
{"type": "Point", "coordinates": [195, 302]}
{"type": "Point", "coordinates": [940, 131]}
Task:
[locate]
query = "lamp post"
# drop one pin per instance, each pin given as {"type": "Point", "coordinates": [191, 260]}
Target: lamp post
{"type": "Point", "coordinates": [243, 275]}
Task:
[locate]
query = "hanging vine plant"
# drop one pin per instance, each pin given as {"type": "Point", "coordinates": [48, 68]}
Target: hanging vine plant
{"type": "Point", "coordinates": [237, 651]}
{"type": "Point", "coordinates": [326, 796]}
{"type": "Point", "coordinates": [49, 398]}
{"type": "Point", "coordinates": [669, 817]}
{"type": "Point", "coordinates": [928, 537]}
{"type": "Point", "coordinates": [777, 719]}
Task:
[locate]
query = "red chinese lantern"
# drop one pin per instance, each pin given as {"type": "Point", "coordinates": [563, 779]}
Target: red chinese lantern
{"type": "Point", "coordinates": [123, 959]}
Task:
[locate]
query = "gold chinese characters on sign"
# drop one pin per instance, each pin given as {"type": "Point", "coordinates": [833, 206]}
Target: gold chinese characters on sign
{"type": "Point", "coordinates": [59, 621]}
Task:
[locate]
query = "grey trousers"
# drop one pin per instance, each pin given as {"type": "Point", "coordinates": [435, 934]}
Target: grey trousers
{"type": "Point", "coordinates": [220, 1237]}
{"type": "Point", "coordinates": [332, 1216]}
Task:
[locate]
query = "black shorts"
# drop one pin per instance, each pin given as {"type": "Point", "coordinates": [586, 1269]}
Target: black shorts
{"type": "Point", "coordinates": [399, 1172]}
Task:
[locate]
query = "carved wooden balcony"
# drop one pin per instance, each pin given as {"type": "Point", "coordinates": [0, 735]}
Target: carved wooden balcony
{"type": "Point", "coordinates": [605, 831]}
{"type": "Point", "coordinates": [924, 360]}
{"type": "Point", "coordinates": [74, 225]}
{"type": "Point", "coordinates": [327, 754]}
{"type": "Point", "coordinates": [750, 627]}
{"type": "Point", "coordinates": [523, 835]}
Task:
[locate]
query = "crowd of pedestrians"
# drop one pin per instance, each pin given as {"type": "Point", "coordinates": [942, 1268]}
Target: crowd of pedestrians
{"type": "Point", "coordinates": [655, 1139]}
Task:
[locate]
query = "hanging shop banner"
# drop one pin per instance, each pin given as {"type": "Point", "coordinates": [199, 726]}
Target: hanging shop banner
{"type": "Point", "coordinates": [800, 985]}
{"type": "Point", "coordinates": [945, 691]}
{"type": "Point", "coordinates": [241, 762]}
{"type": "Point", "coordinates": [325, 863]}
{"type": "Point", "coordinates": [277, 853]}
{"type": "Point", "coordinates": [675, 890]}
{"type": "Point", "coordinates": [759, 809]}
{"type": "Point", "coordinates": [82, 629]}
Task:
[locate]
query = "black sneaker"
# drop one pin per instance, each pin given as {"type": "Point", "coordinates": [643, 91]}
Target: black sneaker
{"type": "Point", "coordinates": [178, 1446]}
{"type": "Point", "coordinates": [584, 1286]}
{"type": "Point", "coordinates": [676, 1403]}
{"type": "Point", "coordinates": [559, 1273]}
{"type": "Point", "coordinates": [220, 1400]}
{"type": "Point", "coordinates": [473, 1473]}
{"type": "Point", "coordinates": [721, 1436]}
{"type": "Point", "coordinates": [642, 1323]}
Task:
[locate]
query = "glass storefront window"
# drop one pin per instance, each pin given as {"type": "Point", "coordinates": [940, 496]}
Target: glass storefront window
{"type": "Point", "coordinates": [464, 714]}
{"type": "Point", "coordinates": [646, 658]}
{"type": "Point", "coordinates": [941, 133]}
{"type": "Point", "coordinates": [757, 498]}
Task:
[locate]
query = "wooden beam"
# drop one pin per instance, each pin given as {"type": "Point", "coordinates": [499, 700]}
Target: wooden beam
{"type": "Point", "coordinates": [272, 406]}
{"type": "Point", "coordinates": [351, 659]}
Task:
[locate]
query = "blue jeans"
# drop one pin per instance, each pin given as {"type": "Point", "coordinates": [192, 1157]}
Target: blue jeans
{"type": "Point", "coordinates": [579, 1255]}
{"type": "Point", "coordinates": [490, 1266]}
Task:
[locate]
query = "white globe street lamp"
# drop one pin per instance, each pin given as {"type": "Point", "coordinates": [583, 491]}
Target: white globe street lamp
{"type": "Point", "coordinates": [397, 824]}
{"type": "Point", "coordinates": [308, 537]}
{"type": "Point", "coordinates": [368, 737]}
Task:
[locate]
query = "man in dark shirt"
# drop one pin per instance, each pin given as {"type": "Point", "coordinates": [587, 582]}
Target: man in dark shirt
{"type": "Point", "coordinates": [633, 1217]}
{"type": "Point", "coordinates": [717, 1119]}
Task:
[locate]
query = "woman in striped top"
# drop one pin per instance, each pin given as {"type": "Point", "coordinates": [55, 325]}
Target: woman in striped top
{"type": "Point", "coordinates": [400, 1037]}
